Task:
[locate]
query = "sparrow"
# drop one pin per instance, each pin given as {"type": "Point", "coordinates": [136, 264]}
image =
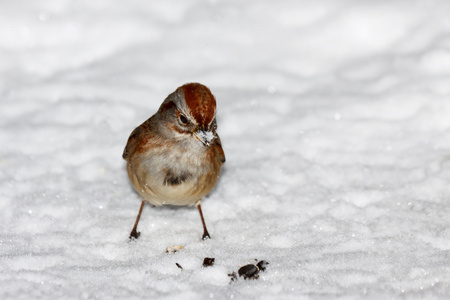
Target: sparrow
{"type": "Point", "coordinates": [174, 157]}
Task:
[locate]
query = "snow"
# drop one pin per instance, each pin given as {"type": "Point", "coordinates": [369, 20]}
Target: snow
{"type": "Point", "coordinates": [334, 118]}
{"type": "Point", "coordinates": [206, 137]}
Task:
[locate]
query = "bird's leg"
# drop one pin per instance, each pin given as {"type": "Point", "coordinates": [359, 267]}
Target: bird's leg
{"type": "Point", "coordinates": [205, 231]}
{"type": "Point", "coordinates": [134, 233]}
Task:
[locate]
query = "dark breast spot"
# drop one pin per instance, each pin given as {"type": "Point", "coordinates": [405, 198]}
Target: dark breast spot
{"type": "Point", "coordinates": [172, 178]}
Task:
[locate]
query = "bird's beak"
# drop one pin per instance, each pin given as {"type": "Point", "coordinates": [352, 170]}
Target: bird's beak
{"type": "Point", "coordinates": [205, 137]}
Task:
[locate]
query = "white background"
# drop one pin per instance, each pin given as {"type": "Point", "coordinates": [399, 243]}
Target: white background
{"type": "Point", "coordinates": [334, 117]}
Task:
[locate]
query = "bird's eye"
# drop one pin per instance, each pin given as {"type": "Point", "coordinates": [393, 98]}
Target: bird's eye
{"type": "Point", "coordinates": [183, 119]}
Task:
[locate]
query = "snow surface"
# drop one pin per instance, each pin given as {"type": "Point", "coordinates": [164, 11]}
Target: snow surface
{"type": "Point", "coordinates": [334, 117]}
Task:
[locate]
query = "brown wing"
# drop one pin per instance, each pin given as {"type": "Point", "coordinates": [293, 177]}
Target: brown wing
{"type": "Point", "coordinates": [220, 150]}
{"type": "Point", "coordinates": [131, 144]}
{"type": "Point", "coordinates": [138, 138]}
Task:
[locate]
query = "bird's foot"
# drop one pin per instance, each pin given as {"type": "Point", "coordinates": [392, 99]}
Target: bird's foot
{"type": "Point", "coordinates": [206, 236]}
{"type": "Point", "coordinates": [134, 234]}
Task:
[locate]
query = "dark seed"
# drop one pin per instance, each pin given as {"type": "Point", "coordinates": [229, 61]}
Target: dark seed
{"type": "Point", "coordinates": [208, 261]}
{"type": "Point", "coordinates": [248, 271]}
{"type": "Point", "coordinates": [179, 266]}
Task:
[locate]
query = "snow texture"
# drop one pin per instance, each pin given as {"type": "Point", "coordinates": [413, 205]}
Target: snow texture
{"type": "Point", "coordinates": [206, 137]}
{"type": "Point", "coordinates": [334, 117]}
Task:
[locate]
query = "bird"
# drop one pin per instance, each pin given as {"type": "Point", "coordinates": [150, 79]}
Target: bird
{"type": "Point", "coordinates": [175, 156]}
